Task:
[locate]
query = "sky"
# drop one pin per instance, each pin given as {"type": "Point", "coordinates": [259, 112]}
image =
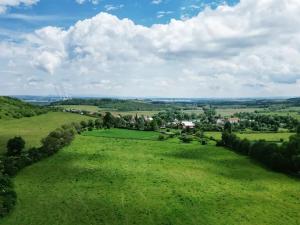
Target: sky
{"type": "Point", "coordinates": [150, 48]}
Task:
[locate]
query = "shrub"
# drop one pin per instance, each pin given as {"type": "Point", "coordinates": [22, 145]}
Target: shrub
{"type": "Point", "coordinates": [15, 146]}
{"type": "Point", "coordinates": [186, 138]}
{"type": "Point", "coordinates": [161, 137]}
{"type": "Point", "coordinates": [7, 195]}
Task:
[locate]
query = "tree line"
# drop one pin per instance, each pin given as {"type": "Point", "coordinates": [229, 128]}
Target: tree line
{"type": "Point", "coordinates": [16, 158]}
{"type": "Point", "coordinates": [282, 158]}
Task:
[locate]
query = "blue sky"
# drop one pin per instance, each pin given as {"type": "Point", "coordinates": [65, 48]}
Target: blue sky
{"type": "Point", "coordinates": [64, 13]}
{"type": "Point", "coordinates": [142, 48]}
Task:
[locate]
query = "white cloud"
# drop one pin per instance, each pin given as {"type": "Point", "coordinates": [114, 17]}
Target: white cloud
{"type": "Point", "coordinates": [94, 2]}
{"type": "Point", "coordinates": [156, 2]}
{"type": "Point", "coordinates": [110, 7]}
{"type": "Point", "coordinates": [251, 49]}
{"type": "Point", "coordinates": [5, 4]}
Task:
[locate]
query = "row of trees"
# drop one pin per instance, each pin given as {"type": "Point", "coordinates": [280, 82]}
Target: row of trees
{"type": "Point", "coordinates": [263, 122]}
{"type": "Point", "coordinates": [16, 158]}
{"type": "Point", "coordinates": [282, 158]}
{"type": "Point", "coordinates": [126, 122]}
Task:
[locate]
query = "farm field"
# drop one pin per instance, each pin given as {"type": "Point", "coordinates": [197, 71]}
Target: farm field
{"type": "Point", "coordinates": [122, 133]}
{"type": "Point", "coordinates": [33, 129]}
{"type": "Point", "coordinates": [274, 137]}
{"type": "Point", "coordinates": [99, 180]}
{"type": "Point", "coordinates": [91, 108]}
{"type": "Point", "coordinates": [230, 111]}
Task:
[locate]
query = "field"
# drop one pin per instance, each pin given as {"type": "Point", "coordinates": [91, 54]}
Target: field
{"type": "Point", "coordinates": [230, 111]}
{"type": "Point", "coordinates": [33, 129]}
{"type": "Point", "coordinates": [91, 108]}
{"type": "Point", "coordinates": [273, 137]}
{"type": "Point", "coordinates": [119, 133]}
{"type": "Point", "coordinates": [98, 180]}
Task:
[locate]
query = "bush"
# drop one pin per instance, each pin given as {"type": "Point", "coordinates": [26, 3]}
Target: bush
{"type": "Point", "coordinates": [15, 146]}
{"type": "Point", "coordinates": [161, 137]}
{"type": "Point", "coordinates": [186, 138]}
{"type": "Point", "coordinates": [8, 196]}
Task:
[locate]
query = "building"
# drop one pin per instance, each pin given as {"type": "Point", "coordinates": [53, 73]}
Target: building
{"type": "Point", "coordinates": [220, 122]}
{"type": "Point", "coordinates": [233, 120]}
{"type": "Point", "coordinates": [187, 124]}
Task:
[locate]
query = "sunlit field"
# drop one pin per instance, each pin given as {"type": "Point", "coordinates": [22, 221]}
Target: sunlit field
{"type": "Point", "coordinates": [110, 180]}
{"type": "Point", "coordinates": [33, 129]}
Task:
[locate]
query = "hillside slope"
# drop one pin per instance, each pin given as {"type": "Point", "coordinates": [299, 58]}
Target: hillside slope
{"type": "Point", "coordinates": [15, 108]}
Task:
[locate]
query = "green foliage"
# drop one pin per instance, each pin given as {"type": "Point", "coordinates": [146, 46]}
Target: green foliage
{"type": "Point", "coordinates": [161, 137]}
{"type": "Point", "coordinates": [15, 146]}
{"type": "Point", "coordinates": [12, 108]}
{"type": "Point", "coordinates": [282, 158]}
{"type": "Point", "coordinates": [7, 195]}
{"type": "Point", "coordinates": [185, 138]}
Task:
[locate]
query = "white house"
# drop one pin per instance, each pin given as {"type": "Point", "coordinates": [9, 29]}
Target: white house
{"type": "Point", "coordinates": [187, 124]}
{"type": "Point", "coordinates": [220, 122]}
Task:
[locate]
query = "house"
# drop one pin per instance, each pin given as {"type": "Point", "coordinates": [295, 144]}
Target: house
{"type": "Point", "coordinates": [233, 120]}
{"type": "Point", "coordinates": [187, 124]}
{"type": "Point", "coordinates": [148, 118]}
{"type": "Point", "coordinates": [220, 122]}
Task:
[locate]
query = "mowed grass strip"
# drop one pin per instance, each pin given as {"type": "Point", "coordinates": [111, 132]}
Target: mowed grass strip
{"type": "Point", "coordinates": [123, 134]}
{"type": "Point", "coordinates": [33, 129]}
{"type": "Point", "coordinates": [272, 137]}
{"type": "Point", "coordinates": [100, 180]}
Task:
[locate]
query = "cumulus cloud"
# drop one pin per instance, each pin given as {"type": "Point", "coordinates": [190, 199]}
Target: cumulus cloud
{"type": "Point", "coordinates": [5, 4]}
{"type": "Point", "coordinates": [251, 49]}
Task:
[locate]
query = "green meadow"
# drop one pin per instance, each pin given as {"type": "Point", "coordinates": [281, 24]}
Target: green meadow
{"type": "Point", "coordinates": [33, 129]}
{"type": "Point", "coordinates": [123, 133]}
{"type": "Point", "coordinates": [118, 180]}
{"type": "Point", "coordinates": [272, 137]}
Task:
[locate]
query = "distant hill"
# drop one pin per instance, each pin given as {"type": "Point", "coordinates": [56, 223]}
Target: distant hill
{"type": "Point", "coordinates": [15, 108]}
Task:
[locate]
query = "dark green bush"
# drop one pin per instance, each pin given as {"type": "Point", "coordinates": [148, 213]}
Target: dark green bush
{"type": "Point", "coordinates": [15, 146]}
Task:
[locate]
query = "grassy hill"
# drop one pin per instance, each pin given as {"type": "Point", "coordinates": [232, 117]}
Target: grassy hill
{"type": "Point", "coordinates": [33, 129]}
{"type": "Point", "coordinates": [107, 180]}
{"type": "Point", "coordinates": [11, 108]}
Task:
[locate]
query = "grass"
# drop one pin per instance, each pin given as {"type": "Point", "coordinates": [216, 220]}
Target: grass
{"type": "Point", "coordinates": [99, 180]}
{"type": "Point", "coordinates": [230, 111]}
{"type": "Point", "coordinates": [89, 108]}
{"type": "Point", "coordinates": [33, 129]}
{"type": "Point", "coordinates": [122, 133]}
{"type": "Point", "coordinates": [273, 137]}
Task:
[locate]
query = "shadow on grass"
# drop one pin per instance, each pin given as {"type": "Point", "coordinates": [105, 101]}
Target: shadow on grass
{"type": "Point", "coordinates": [226, 163]}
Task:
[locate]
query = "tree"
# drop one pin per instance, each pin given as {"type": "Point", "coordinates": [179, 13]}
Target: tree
{"type": "Point", "coordinates": [15, 146]}
{"type": "Point", "coordinates": [98, 123]}
{"type": "Point", "coordinates": [298, 129]}
{"type": "Point", "coordinates": [83, 124]}
{"type": "Point", "coordinates": [228, 127]}
{"type": "Point", "coordinates": [108, 120]}
{"type": "Point", "coordinates": [91, 124]}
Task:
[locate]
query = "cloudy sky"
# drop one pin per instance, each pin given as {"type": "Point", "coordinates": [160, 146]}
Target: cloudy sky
{"type": "Point", "coordinates": [150, 48]}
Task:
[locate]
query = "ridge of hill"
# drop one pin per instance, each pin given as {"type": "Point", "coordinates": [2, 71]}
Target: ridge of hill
{"type": "Point", "coordinates": [12, 108]}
